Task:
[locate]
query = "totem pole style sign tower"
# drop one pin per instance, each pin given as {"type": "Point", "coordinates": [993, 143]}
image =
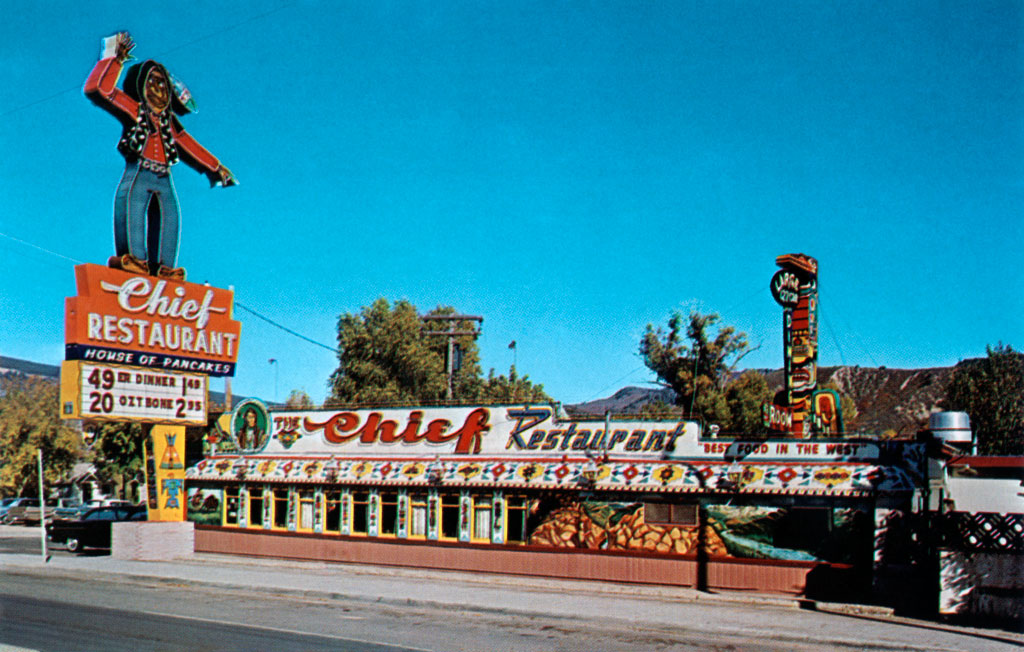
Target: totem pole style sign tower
{"type": "Point", "coordinates": [140, 342]}
{"type": "Point", "coordinates": [801, 409]}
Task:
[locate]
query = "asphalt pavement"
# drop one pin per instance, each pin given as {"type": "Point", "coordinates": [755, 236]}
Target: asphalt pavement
{"type": "Point", "coordinates": [504, 594]}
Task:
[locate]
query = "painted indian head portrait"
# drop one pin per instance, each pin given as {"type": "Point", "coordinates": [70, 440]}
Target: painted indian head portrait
{"type": "Point", "coordinates": [250, 425]}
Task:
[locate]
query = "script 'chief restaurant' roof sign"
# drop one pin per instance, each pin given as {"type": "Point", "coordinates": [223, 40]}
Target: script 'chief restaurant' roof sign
{"type": "Point", "coordinates": [528, 446]}
{"type": "Point", "coordinates": [144, 321]}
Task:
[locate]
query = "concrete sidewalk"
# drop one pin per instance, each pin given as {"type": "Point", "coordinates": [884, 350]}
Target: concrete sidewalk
{"type": "Point", "coordinates": [377, 583]}
{"type": "Point", "coordinates": [503, 594]}
{"type": "Point", "coordinates": [389, 584]}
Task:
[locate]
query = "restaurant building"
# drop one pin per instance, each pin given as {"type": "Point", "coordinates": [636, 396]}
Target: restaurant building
{"type": "Point", "coordinates": [518, 489]}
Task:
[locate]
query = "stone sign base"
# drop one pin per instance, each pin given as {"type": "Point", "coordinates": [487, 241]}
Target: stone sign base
{"type": "Point", "coordinates": [152, 541]}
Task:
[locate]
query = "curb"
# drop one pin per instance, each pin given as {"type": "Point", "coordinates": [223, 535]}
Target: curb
{"type": "Point", "coordinates": [664, 595]}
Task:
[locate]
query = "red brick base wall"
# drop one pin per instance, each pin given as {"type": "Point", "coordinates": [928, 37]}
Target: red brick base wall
{"type": "Point", "coordinates": [762, 576]}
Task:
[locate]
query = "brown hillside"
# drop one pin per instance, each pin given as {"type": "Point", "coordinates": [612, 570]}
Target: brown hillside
{"type": "Point", "coordinates": [886, 399]}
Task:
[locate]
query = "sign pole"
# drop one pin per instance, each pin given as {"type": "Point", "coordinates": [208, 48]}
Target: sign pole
{"type": "Point", "coordinates": [42, 506]}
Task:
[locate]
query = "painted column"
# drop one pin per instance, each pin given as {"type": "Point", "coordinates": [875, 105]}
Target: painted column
{"type": "Point", "coordinates": [373, 513]}
{"type": "Point", "coordinates": [243, 505]}
{"type": "Point", "coordinates": [319, 503]}
{"type": "Point", "coordinates": [165, 472]}
{"type": "Point", "coordinates": [433, 515]}
{"type": "Point", "coordinates": [465, 515]}
{"type": "Point", "coordinates": [346, 511]}
{"type": "Point", "coordinates": [293, 509]}
{"type": "Point", "coordinates": [498, 517]}
{"type": "Point", "coordinates": [403, 514]}
{"type": "Point", "coordinates": [268, 507]}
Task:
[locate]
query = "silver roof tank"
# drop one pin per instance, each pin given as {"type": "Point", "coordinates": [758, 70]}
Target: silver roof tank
{"type": "Point", "coordinates": [951, 427]}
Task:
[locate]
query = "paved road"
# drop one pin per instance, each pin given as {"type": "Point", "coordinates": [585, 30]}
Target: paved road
{"type": "Point", "coordinates": [219, 602]}
{"type": "Point", "coordinates": [48, 625]}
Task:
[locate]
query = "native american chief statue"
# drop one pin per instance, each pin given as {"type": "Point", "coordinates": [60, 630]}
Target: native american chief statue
{"type": "Point", "coordinates": [146, 217]}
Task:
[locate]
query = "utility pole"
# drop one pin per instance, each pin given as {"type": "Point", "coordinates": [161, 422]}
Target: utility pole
{"type": "Point", "coordinates": [42, 504]}
{"type": "Point", "coordinates": [451, 334]}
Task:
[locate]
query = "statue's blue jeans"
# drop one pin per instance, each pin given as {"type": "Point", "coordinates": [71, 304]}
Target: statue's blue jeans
{"type": "Point", "coordinates": [139, 186]}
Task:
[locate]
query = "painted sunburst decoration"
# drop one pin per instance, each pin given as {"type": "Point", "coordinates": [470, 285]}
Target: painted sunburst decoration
{"type": "Point", "coordinates": [412, 470]}
{"type": "Point", "coordinates": [469, 471]}
{"type": "Point", "coordinates": [832, 475]}
{"type": "Point", "coordinates": [530, 471]}
{"type": "Point", "coordinates": [668, 473]}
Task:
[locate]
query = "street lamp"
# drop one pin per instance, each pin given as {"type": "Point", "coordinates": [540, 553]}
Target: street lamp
{"type": "Point", "coordinates": [273, 361]}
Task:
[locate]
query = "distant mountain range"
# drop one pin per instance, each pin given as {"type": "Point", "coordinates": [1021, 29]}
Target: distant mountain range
{"type": "Point", "coordinates": [886, 399]}
{"type": "Point", "coordinates": [15, 366]}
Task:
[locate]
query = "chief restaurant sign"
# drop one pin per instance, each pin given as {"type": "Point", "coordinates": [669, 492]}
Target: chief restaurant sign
{"type": "Point", "coordinates": [144, 321]}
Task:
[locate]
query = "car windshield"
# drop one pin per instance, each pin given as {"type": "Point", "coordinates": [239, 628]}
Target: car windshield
{"type": "Point", "coordinates": [7, 501]}
{"type": "Point", "coordinates": [101, 514]}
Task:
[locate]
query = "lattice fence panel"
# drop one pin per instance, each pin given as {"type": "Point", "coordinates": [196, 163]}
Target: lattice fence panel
{"type": "Point", "coordinates": [983, 532]}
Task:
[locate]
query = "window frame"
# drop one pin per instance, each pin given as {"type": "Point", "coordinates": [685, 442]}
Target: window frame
{"type": "Point", "coordinates": [517, 506]}
{"type": "Point", "coordinates": [416, 504]}
{"type": "Point", "coordinates": [305, 498]}
{"type": "Point", "coordinates": [676, 514]}
{"type": "Point", "coordinates": [453, 505]}
{"type": "Point", "coordinates": [332, 497]}
{"type": "Point", "coordinates": [231, 491]}
{"type": "Point", "coordinates": [360, 504]}
{"type": "Point", "coordinates": [279, 503]}
{"type": "Point", "coordinates": [256, 498]}
{"type": "Point", "coordinates": [481, 503]}
{"type": "Point", "coordinates": [387, 502]}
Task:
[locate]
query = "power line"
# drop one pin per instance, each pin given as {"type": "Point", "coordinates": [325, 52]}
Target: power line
{"type": "Point", "coordinates": [832, 332]}
{"type": "Point", "coordinates": [35, 246]}
{"type": "Point", "coordinates": [284, 328]}
{"type": "Point", "coordinates": [237, 303]}
{"type": "Point", "coordinates": [614, 383]}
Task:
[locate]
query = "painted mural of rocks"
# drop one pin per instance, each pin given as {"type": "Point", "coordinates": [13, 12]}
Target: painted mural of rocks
{"type": "Point", "coordinates": [618, 526]}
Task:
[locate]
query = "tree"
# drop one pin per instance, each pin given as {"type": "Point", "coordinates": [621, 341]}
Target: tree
{"type": "Point", "coordinates": [700, 369]}
{"type": "Point", "coordinates": [511, 389]}
{"type": "Point", "coordinates": [991, 391]}
{"type": "Point", "coordinates": [745, 396]}
{"type": "Point", "coordinates": [30, 421]}
{"type": "Point", "coordinates": [386, 357]}
{"type": "Point", "coordinates": [298, 399]}
{"type": "Point", "coordinates": [656, 410]}
{"type": "Point", "coordinates": [117, 452]}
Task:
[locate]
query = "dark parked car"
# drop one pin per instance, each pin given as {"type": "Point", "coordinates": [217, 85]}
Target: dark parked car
{"type": "Point", "coordinates": [5, 505]}
{"type": "Point", "coordinates": [93, 529]}
{"type": "Point", "coordinates": [27, 512]}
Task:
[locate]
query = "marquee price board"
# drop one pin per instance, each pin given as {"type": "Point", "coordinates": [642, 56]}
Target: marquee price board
{"type": "Point", "coordinates": [116, 393]}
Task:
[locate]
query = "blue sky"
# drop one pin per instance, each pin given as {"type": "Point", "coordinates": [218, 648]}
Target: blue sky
{"type": "Point", "coordinates": [570, 171]}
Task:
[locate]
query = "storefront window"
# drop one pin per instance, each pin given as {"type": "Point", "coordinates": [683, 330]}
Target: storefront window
{"type": "Point", "coordinates": [417, 515]}
{"type": "Point", "coordinates": [388, 513]}
{"type": "Point", "coordinates": [280, 508]}
{"type": "Point", "coordinates": [360, 512]}
{"type": "Point", "coordinates": [306, 510]}
{"type": "Point", "coordinates": [256, 507]}
{"type": "Point", "coordinates": [231, 505]}
{"type": "Point", "coordinates": [449, 516]}
{"type": "Point", "coordinates": [516, 512]}
{"type": "Point", "coordinates": [332, 520]}
{"type": "Point", "coordinates": [481, 517]}
{"type": "Point", "coordinates": [671, 514]}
